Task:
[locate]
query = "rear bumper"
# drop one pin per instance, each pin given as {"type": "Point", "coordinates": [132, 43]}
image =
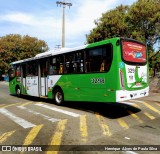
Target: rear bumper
{"type": "Point", "coordinates": [123, 95]}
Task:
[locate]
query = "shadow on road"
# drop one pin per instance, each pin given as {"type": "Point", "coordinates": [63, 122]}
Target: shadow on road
{"type": "Point", "coordinates": [109, 110]}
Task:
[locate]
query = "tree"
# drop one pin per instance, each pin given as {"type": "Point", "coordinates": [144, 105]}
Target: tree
{"type": "Point", "coordinates": [140, 21]}
{"type": "Point", "coordinates": [144, 20]}
{"type": "Point", "coordinates": [14, 47]}
{"type": "Point", "coordinates": [111, 24]}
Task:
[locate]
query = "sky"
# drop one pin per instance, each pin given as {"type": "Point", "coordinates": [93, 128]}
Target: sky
{"type": "Point", "coordinates": [43, 19]}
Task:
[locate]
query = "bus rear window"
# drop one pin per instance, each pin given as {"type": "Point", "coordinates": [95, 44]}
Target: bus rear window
{"type": "Point", "coordinates": [133, 52]}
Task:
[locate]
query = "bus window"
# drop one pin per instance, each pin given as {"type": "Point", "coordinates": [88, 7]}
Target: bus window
{"type": "Point", "coordinates": [59, 64]}
{"type": "Point", "coordinates": [11, 72]}
{"type": "Point", "coordinates": [99, 59]}
{"type": "Point", "coordinates": [24, 70]}
{"type": "Point", "coordinates": [52, 67]}
{"type": "Point", "coordinates": [18, 71]}
{"type": "Point", "coordinates": [43, 67]}
{"type": "Point", "coordinates": [32, 68]}
{"type": "Point", "coordinates": [56, 65]}
{"type": "Point", "coordinates": [69, 63]}
{"type": "Point", "coordinates": [74, 62]}
{"type": "Point", "coordinates": [133, 52]}
{"type": "Point", "coordinates": [78, 62]}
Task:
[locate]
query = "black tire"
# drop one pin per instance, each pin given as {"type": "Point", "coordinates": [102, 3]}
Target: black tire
{"type": "Point", "coordinates": [18, 91]}
{"type": "Point", "coordinates": [58, 97]}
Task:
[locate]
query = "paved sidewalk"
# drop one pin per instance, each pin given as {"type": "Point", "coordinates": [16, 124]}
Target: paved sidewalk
{"type": "Point", "coordinates": [4, 82]}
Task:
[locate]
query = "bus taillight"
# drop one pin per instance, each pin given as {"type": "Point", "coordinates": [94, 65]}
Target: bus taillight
{"type": "Point", "coordinates": [122, 79]}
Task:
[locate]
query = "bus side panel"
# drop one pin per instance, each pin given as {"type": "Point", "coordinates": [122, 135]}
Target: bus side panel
{"type": "Point", "coordinates": [14, 83]}
{"type": "Point", "coordinates": [12, 86]}
{"type": "Point", "coordinates": [24, 86]}
{"type": "Point", "coordinates": [95, 87]}
{"type": "Point", "coordinates": [32, 86]}
{"type": "Point", "coordinates": [52, 81]}
{"type": "Point", "coordinates": [87, 87]}
{"type": "Point", "coordinates": [43, 86]}
{"type": "Point", "coordinates": [68, 83]}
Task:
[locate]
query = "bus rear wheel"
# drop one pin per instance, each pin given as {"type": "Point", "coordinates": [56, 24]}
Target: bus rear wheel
{"type": "Point", "coordinates": [58, 97]}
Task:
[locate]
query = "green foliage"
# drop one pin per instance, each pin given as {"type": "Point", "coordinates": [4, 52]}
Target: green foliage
{"type": "Point", "coordinates": [14, 47]}
{"type": "Point", "coordinates": [154, 63]}
{"type": "Point", "coordinates": [140, 21]}
{"type": "Point", "coordinates": [111, 24]}
{"type": "Point", "coordinates": [143, 18]}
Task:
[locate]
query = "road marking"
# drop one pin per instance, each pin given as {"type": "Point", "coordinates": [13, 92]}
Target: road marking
{"type": "Point", "coordinates": [83, 128]}
{"type": "Point", "coordinates": [135, 116]}
{"type": "Point", "coordinates": [40, 114]}
{"type": "Point", "coordinates": [135, 105]}
{"type": "Point", "coordinates": [16, 119]}
{"type": "Point", "coordinates": [26, 103]}
{"type": "Point", "coordinates": [136, 101]}
{"type": "Point", "coordinates": [32, 134]}
{"type": "Point", "coordinates": [9, 105]}
{"type": "Point", "coordinates": [151, 107]}
{"type": "Point", "coordinates": [57, 137]}
{"type": "Point", "coordinates": [146, 113]}
{"type": "Point", "coordinates": [4, 136]}
{"type": "Point", "coordinates": [59, 110]}
{"type": "Point", "coordinates": [149, 115]}
{"type": "Point", "coordinates": [147, 105]}
{"type": "Point", "coordinates": [158, 104]}
{"type": "Point", "coordinates": [39, 102]}
{"type": "Point", "coordinates": [104, 126]}
{"type": "Point", "coordinates": [123, 123]}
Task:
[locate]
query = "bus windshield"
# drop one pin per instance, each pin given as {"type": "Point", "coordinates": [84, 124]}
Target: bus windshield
{"type": "Point", "coordinates": [133, 52]}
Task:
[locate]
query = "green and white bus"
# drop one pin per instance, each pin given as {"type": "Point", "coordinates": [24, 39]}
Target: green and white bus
{"type": "Point", "coordinates": [112, 70]}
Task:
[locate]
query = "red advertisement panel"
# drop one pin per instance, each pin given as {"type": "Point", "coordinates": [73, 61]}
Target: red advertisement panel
{"type": "Point", "coordinates": [133, 52]}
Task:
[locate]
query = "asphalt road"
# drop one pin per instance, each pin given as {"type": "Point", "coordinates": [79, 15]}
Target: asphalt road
{"type": "Point", "coordinates": [37, 123]}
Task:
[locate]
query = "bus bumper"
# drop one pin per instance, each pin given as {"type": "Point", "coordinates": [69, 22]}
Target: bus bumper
{"type": "Point", "coordinates": [123, 95]}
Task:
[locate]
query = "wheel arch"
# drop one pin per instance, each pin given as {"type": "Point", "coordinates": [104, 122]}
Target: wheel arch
{"type": "Point", "coordinates": [17, 86]}
{"type": "Point", "coordinates": [56, 87]}
{"type": "Point", "coordinates": [56, 92]}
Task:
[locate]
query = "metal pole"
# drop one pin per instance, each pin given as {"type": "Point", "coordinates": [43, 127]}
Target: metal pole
{"type": "Point", "coordinates": [63, 19]}
{"type": "Point", "coordinates": [63, 27]}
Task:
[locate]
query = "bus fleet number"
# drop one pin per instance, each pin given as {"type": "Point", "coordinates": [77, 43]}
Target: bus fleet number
{"type": "Point", "coordinates": [131, 70]}
{"type": "Point", "coordinates": [97, 80]}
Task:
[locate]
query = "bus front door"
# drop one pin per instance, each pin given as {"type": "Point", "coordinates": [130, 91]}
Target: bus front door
{"type": "Point", "coordinates": [32, 78]}
{"type": "Point", "coordinates": [43, 78]}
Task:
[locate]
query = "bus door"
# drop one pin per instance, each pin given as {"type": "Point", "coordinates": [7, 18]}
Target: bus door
{"type": "Point", "coordinates": [23, 80]}
{"type": "Point", "coordinates": [12, 74]}
{"type": "Point", "coordinates": [32, 85]}
{"type": "Point", "coordinates": [43, 78]}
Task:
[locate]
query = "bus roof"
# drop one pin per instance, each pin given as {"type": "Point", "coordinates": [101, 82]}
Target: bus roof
{"type": "Point", "coordinates": [63, 50]}
{"type": "Point", "coordinates": [50, 53]}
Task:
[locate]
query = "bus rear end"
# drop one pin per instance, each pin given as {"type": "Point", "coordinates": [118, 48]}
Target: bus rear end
{"type": "Point", "coordinates": [133, 71]}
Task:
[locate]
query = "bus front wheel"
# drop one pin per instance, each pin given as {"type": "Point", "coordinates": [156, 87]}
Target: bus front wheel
{"type": "Point", "coordinates": [58, 96]}
{"type": "Point", "coordinates": [18, 91]}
